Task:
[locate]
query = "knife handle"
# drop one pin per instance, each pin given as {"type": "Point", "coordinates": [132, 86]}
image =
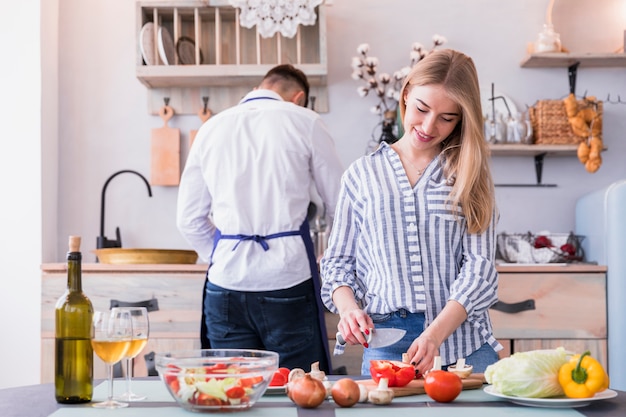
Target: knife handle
{"type": "Point", "coordinates": [342, 341]}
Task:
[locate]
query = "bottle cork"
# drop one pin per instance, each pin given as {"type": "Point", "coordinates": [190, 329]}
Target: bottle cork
{"type": "Point", "coordinates": [74, 243]}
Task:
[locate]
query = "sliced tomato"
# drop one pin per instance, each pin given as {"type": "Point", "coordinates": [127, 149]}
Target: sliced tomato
{"type": "Point", "coordinates": [205, 399]}
{"type": "Point", "coordinates": [174, 385]}
{"type": "Point", "coordinates": [171, 369]}
{"type": "Point", "coordinates": [397, 373]}
{"type": "Point", "coordinates": [217, 368]}
{"type": "Point", "coordinates": [284, 371]}
{"type": "Point", "coordinates": [278, 380]}
{"type": "Point", "coordinates": [235, 392]}
{"type": "Point", "coordinates": [251, 381]}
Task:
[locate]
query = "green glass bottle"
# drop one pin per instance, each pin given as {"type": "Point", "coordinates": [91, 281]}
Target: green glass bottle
{"type": "Point", "coordinates": [73, 355]}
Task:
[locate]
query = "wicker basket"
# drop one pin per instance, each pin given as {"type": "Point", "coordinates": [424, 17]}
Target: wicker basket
{"type": "Point", "coordinates": [550, 123]}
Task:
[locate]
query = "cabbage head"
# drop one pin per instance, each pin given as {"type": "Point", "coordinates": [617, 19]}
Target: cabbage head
{"type": "Point", "coordinates": [532, 374]}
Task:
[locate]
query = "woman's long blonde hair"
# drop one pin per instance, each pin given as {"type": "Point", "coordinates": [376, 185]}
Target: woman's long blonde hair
{"type": "Point", "coordinates": [465, 152]}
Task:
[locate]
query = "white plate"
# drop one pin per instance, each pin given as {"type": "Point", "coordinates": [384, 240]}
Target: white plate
{"type": "Point", "coordinates": [276, 390]}
{"type": "Point", "coordinates": [557, 402]}
{"type": "Point", "coordinates": [146, 43]}
{"type": "Point", "coordinates": [167, 50]}
{"type": "Point", "coordinates": [500, 107]}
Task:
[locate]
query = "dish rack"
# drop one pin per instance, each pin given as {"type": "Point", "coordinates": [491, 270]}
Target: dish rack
{"type": "Point", "coordinates": [529, 248]}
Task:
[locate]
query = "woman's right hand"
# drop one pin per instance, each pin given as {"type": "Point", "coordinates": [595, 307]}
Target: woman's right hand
{"type": "Point", "coordinates": [354, 324]}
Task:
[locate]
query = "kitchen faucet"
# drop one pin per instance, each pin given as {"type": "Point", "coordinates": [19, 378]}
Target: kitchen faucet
{"type": "Point", "coordinates": [102, 241]}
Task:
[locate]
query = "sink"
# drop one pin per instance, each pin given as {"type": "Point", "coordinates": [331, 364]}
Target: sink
{"type": "Point", "coordinates": [145, 256]}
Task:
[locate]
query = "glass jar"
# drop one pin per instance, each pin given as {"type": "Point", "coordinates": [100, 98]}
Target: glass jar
{"type": "Point", "coordinates": [548, 40]}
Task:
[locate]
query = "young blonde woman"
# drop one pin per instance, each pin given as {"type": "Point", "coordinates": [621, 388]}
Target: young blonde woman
{"type": "Point", "coordinates": [414, 237]}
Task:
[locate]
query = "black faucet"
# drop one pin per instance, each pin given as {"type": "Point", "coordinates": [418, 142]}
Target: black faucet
{"type": "Point", "coordinates": [102, 241]}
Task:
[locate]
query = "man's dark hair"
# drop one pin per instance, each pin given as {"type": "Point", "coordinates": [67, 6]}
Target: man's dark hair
{"type": "Point", "coordinates": [291, 73]}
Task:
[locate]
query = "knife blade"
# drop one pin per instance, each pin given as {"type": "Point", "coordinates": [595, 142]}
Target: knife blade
{"type": "Point", "coordinates": [379, 337]}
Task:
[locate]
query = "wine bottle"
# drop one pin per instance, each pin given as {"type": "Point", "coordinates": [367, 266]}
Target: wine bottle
{"type": "Point", "coordinates": [73, 372]}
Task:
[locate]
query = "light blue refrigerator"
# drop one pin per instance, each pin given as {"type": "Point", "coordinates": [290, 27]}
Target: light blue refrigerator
{"type": "Point", "coordinates": [601, 218]}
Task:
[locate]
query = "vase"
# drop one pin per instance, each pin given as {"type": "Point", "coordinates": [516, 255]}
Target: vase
{"type": "Point", "coordinates": [389, 123]}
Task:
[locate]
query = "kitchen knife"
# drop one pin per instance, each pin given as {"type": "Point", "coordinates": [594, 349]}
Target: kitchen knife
{"type": "Point", "coordinates": [379, 337]}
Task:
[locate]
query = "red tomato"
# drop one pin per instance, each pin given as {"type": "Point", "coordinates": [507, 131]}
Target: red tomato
{"type": "Point", "coordinates": [442, 386]}
{"type": "Point", "coordinates": [235, 392]}
{"type": "Point", "coordinates": [278, 380]}
{"type": "Point", "coordinates": [285, 372]}
{"type": "Point", "coordinates": [205, 399]}
{"type": "Point", "coordinates": [251, 381]}
{"type": "Point", "coordinates": [217, 368]}
{"type": "Point", "coordinates": [171, 368]}
{"type": "Point", "coordinates": [174, 385]}
{"type": "Point", "coordinates": [397, 373]}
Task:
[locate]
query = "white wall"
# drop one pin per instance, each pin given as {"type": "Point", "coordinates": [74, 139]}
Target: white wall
{"type": "Point", "coordinates": [104, 125]}
{"type": "Point", "coordinates": [94, 121]}
{"type": "Point", "coordinates": [21, 207]}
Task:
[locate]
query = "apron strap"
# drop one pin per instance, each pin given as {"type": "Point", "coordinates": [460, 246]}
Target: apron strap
{"type": "Point", "coordinates": [305, 233]}
{"type": "Point", "coordinates": [261, 240]}
{"type": "Point", "coordinates": [315, 276]}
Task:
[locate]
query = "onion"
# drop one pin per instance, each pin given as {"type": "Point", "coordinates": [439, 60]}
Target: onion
{"type": "Point", "coordinates": [306, 392]}
{"type": "Point", "coordinates": [346, 392]}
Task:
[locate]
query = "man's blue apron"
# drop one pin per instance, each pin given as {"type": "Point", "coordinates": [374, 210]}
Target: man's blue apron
{"type": "Point", "coordinates": [305, 234]}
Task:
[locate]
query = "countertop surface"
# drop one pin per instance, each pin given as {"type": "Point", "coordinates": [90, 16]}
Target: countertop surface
{"type": "Point", "coordinates": [201, 268]}
{"type": "Point", "coordinates": [38, 401]}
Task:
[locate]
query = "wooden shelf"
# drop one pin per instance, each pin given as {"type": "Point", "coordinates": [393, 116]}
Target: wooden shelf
{"type": "Point", "coordinates": [228, 60]}
{"type": "Point", "coordinates": [155, 76]}
{"type": "Point", "coordinates": [563, 60]}
{"type": "Point", "coordinates": [532, 150]}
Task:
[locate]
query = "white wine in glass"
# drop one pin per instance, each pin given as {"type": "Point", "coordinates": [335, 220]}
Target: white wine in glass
{"type": "Point", "coordinates": [111, 338]}
{"type": "Point", "coordinates": [141, 330]}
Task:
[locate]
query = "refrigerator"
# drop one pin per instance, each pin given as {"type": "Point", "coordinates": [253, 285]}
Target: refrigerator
{"type": "Point", "coordinates": [601, 218]}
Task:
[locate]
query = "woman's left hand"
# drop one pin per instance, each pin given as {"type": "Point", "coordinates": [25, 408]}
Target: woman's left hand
{"type": "Point", "coordinates": [422, 353]}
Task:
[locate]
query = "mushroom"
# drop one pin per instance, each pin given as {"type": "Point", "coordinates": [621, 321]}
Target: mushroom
{"type": "Point", "coordinates": [382, 394]}
{"type": "Point", "coordinates": [316, 372]}
{"type": "Point", "coordinates": [363, 393]}
{"type": "Point", "coordinates": [461, 369]}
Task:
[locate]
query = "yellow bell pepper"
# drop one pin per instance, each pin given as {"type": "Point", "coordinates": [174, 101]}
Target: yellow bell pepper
{"type": "Point", "coordinates": [583, 377]}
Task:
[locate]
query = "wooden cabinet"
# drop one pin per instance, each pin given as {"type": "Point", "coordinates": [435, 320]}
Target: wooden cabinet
{"type": "Point", "coordinates": [176, 289]}
{"type": "Point", "coordinates": [211, 55]}
{"type": "Point", "coordinates": [566, 307]}
{"type": "Point", "coordinates": [175, 325]}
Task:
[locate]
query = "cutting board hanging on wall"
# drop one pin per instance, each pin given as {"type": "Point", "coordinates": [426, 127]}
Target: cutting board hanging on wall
{"type": "Point", "coordinates": [205, 114]}
{"type": "Point", "coordinates": [165, 151]}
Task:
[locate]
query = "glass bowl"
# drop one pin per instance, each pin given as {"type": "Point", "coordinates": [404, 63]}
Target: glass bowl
{"type": "Point", "coordinates": [216, 379]}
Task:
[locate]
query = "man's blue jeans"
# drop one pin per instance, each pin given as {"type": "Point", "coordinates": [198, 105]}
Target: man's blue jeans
{"type": "Point", "coordinates": [283, 321]}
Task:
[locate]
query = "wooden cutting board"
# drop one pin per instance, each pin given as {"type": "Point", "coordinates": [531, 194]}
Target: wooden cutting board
{"type": "Point", "coordinates": [204, 114]}
{"type": "Point", "coordinates": [415, 387]}
{"type": "Point", "coordinates": [165, 151]}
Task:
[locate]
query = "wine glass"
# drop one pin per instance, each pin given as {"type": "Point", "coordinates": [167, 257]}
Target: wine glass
{"type": "Point", "coordinates": [141, 329]}
{"type": "Point", "coordinates": [111, 335]}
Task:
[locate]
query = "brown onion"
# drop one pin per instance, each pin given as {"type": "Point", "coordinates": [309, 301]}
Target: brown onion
{"type": "Point", "coordinates": [306, 392]}
{"type": "Point", "coordinates": [346, 392]}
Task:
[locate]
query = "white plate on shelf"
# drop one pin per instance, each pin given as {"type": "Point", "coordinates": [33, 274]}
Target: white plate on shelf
{"type": "Point", "coordinates": [500, 107]}
{"type": "Point", "coordinates": [146, 43]}
{"type": "Point", "coordinates": [276, 390]}
{"type": "Point", "coordinates": [167, 50]}
{"type": "Point", "coordinates": [558, 402]}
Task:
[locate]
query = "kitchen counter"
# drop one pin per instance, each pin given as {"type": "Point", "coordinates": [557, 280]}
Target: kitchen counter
{"type": "Point", "coordinates": [201, 268]}
{"type": "Point", "coordinates": [140, 268]}
{"type": "Point", "coordinates": [178, 290]}
{"type": "Point", "coordinates": [18, 402]}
